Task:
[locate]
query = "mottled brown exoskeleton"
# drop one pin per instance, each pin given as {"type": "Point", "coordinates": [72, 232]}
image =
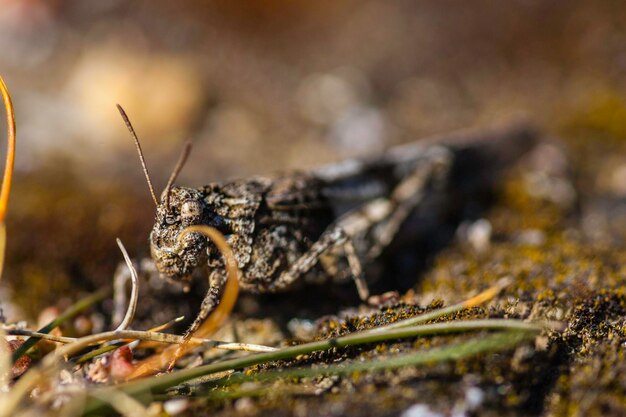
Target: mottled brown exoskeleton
{"type": "Point", "coordinates": [286, 228]}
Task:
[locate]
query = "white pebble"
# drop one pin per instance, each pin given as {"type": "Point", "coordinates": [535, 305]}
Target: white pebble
{"type": "Point", "coordinates": [474, 398]}
{"type": "Point", "coordinates": [177, 406]}
{"type": "Point", "coordinates": [479, 235]}
{"type": "Point", "coordinates": [420, 410]}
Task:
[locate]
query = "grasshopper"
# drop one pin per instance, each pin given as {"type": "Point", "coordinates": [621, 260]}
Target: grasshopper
{"type": "Point", "coordinates": [301, 226]}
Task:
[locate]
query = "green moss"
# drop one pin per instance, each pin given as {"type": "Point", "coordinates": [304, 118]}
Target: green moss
{"type": "Point", "coordinates": [567, 278]}
{"type": "Point", "coordinates": [578, 282]}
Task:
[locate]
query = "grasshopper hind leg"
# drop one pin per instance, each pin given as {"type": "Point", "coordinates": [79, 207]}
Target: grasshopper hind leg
{"type": "Point", "coordinates": [334, 238]}
{"type": "Point", "coordinates": [407, 196]}
{"type": "Point", "coordinates": [372, 226]}
{"type": "Point", "coordinates": [357, 270]}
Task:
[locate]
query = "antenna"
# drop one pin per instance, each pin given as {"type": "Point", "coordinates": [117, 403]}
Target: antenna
{"type": "Point", "coordinates": [179, 166]}
{"type": "Point", "coordinates": [141, 158]}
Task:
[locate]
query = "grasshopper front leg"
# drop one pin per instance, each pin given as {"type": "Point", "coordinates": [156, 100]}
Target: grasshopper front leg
{"type": "Point", "coordinates": [217, 280]}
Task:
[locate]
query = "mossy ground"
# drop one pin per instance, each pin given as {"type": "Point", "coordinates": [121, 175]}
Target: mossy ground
{"type": "Point", "coordinates": [561, 65]}
{"type": "Point", "coordinates": [568, 275]}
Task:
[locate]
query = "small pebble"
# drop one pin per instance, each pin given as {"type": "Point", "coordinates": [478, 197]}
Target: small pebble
{"type": "Point", "coordinates": [47, 315]}
{"type": "Point", "coordinates": [531, 237]}
{"type": "Point", "coordinates": [301, 329]}
{"type": "Point", "coordinates": [550, 159]}
{"type": "Point", "coordinates": [360, 131]}
{"type": "Point", "coordinates": [420, 410]}
{"type": "Point", "coordinates": [83, 326]}
{"type": "Point", "coordinates": [176, 406]}
{"type": "Point", "coordinates": [474, 398]}
{"type": "Point", "coordinates": [245, 405]}
{"type": "Point", "coordinates": [557, 190]}
{"type": "Point", "coordinates": [325, 385]}
{"type": "Point", "coordinates": [478, 235]}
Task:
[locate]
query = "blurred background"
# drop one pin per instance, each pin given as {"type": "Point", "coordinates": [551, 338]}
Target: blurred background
{"type": "Point", "coordinates": [264, 86]}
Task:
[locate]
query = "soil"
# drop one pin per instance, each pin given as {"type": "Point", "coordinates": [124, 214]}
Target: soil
{"type": "Point", "coordinates": [555, 224]}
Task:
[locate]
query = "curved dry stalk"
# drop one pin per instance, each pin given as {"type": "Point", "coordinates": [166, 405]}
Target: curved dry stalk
{"type": "Point", "coordinates": [231, 288]}
{"type": "Point", "coordinates": [167, 325]}
{"type": "Point", "coordinates": [10, 161]}
{"type": "Point", "coordinates": [475, 301]}
{"type": "Point", "coordinates": [147, 336]}
{"type": "Point", "coordinates": [48, 365]}
{"type": "Point", "coordinates": [134, 292]}
{"type": "Point", "coordinates": [79, 344]}
{"type": "Point", "coordinates": [3, 244]}
{"type": "Point", "coordinates": [39, 335]}
{"type": "Point", "coordinates": [170, 355]}
{"type": "Point", "coordinates": [488, 294]}
{"type": "Point", "coordinates": [7, 179]}
{"type": "Point", "coordinates": [155, 337]}
{"type": "Point", "coordinates": [132, 345]}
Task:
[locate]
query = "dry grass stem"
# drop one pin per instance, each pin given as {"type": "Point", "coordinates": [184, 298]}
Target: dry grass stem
{"type": "Point", "coordinates": [477, 300]}
{"type": "Point", "coordinates": [231, 289]}
{"type": "Point", "coordinates": [167, 325]}
{"type": "Point", "coordinates": [51, 362]}
{"type": "Point", "coordinates": [149, 336]}
{"type": "Point", "coordinates": [166, 358]}
{"type": "Point", "coordinates": [134, 344]}
{"type": "Point", "coordinates": [5, 190]}
{"type": "Point", "coordinates": [134, 293]}
{"type": "Point", "coordinates": [46, 336]}
{"type": "Point", "coordinates": [10, 160]}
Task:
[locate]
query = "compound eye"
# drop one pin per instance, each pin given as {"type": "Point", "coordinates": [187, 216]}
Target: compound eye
{"type": "Point", "coordinates": [191, 212]}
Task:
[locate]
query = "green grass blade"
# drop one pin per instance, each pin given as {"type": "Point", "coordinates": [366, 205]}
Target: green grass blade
{"type": "Point", "coordinates": [497, 342]}
{"type": "Point", "coordinates": [149, 386]}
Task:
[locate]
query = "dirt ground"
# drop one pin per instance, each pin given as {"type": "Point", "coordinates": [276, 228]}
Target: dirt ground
{"type": "Point", "coordinates": [273, 87]}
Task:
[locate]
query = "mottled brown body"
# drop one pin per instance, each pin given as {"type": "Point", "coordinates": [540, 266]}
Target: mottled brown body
{"type": "Point", "coordinates": [269, 224]}
{"type": "Point", "coordinates": [300, 225]}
